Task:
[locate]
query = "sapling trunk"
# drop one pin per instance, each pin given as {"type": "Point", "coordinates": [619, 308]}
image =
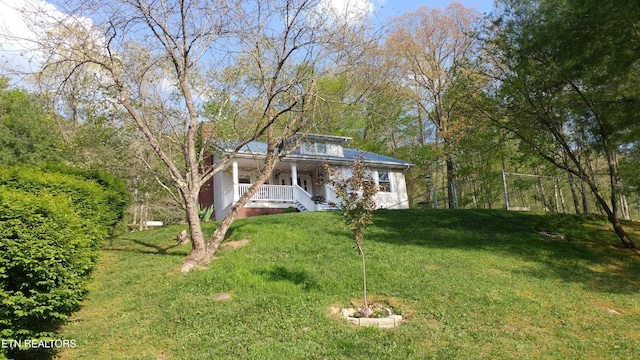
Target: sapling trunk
{"type": "Point", "coordinates": [357, 208]}
{"type": "Point", "coordinates": [364, 279]}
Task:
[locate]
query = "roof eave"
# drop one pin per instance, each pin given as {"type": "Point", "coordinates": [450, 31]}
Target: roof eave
{"type": "Point", "coordinates": [330, 160]}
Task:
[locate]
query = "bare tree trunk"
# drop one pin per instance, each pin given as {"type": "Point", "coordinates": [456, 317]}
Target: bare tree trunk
{"type": "Point", "coordinates": [585, 200]}
{"type": "Point", "coordinates": [619, 188]}
{"type": "Point", "coordinates": [535, 194]}
{"type": "Point", "coordinates": [136, 208]}
{"type": "Point", "coordinates": [450, 182]}
{"type": "Point", "coordinates": [612, 216]}
{"type": "Point", "coordinates": [556, 196]}
{"type": "Point", "coordinates": [474, 195]}
{"type": "Point", "coordinates": [562, 202]}
{"type": "Point", "coordinates": [206, 250]}
{"type": "Point", "coordinates": [421, 133]}
{"type": "Point", "coordinates": [624, 207]}
{"type": "Point", "coordinates": [614, 182]}
{"type": "Point", "coordinates": [198, 252]}
{"type": "Point", "coordinates": [543, 194]}
{"type": "Point", "coordinates": [574, 194]}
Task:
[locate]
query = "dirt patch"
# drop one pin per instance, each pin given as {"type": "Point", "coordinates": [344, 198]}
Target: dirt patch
{"type": "Point", "coordinates": [221, 297]}
{"type": "Point", "coordinates": [432, 267]}
{"type": "Point", "coordinates": [335, 311]}
{"type": "Point", "coordinates": [380, 301]}
{"type": "Point", "coordinates": [234, 244]}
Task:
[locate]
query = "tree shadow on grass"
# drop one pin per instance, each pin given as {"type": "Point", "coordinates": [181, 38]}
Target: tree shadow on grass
{"type": "Point", "coordinates": [33, 354]}
{"type": "Point", "coordinates": [298, 277]}
{"type": "Point", "coordinates": [148, 248]}
{"type": "Point", "coordinates": [587, 255]}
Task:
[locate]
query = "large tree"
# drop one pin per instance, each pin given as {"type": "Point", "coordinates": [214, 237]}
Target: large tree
{"type": "Point", "coordinates": [167, 65]}
{"type": "Point", "coordinates": [565, 82]}
{"type": "Point", "coordinates": [27, 129]}
{"type": "Point", "coordinates": [432, 49]}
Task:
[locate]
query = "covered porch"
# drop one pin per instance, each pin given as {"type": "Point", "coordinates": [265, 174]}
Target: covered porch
{"type": "Point", "coordinates": [302, 186]}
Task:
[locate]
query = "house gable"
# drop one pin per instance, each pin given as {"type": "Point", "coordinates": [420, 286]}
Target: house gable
{"type": "Point", "coordinates": [322, 145]}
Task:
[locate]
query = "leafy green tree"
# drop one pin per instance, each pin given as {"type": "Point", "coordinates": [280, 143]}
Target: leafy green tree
{"type": "Point", "coordinates": [373, 107]}
{"type": "Point", "coordinates": [629, 167]}
{"type": "Point", "coordinates": [28, 132]}
{"type": "Point", "coordinates": [564, 84]}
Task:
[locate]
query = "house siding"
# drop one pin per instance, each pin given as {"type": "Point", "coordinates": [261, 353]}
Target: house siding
{"type": "Point", "coordinates": [223, 183]}
{"type": "Point", "coordinates": [397, 199]}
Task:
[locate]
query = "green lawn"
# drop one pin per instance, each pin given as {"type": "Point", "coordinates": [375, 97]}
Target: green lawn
{"type": "Point", "coordinates": [473, 284]}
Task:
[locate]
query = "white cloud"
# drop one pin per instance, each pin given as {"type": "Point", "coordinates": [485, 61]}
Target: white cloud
{"type": "Point", "coordinates": [18, 53]}
{"type": "Point", "coordinates": [348, 10]}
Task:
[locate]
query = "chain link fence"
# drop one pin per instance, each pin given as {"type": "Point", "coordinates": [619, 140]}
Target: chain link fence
{"type": "Point", "coordinates": [528, 192]}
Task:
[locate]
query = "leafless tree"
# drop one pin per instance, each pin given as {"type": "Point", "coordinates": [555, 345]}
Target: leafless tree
{"type": "Point", "coordinates": [167, 64]}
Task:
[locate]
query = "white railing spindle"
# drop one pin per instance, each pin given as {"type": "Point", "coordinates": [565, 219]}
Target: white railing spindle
{"type": "Point", "coordinates": [269, 192]}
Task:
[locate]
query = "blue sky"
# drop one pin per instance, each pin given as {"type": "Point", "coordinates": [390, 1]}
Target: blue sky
{"type": "Point", "coordinates": [379, 10]}
{"type": "Point", "coordinates": [387, 8]}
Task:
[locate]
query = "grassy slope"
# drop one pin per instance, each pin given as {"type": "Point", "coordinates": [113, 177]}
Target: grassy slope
{"type": "Point", "coordinates": [474, 284]}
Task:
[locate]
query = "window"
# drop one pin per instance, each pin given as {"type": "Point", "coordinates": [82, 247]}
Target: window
{"type": "Point", "coordinates": [314, 148]}
{"type": "Point", "coordinates": [383, 181]}
{"type": "Point", "coordinates": [307, 148]}
{"type": "Point", "coordinates": [321, 148]}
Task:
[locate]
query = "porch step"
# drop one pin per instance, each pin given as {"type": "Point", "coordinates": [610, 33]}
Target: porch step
{"type": "Point", "coordinates": [326, 207]}
{"type": "Point", "coordinates": [300, 207]}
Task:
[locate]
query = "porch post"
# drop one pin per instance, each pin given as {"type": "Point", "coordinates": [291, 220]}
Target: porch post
{"type": "Point", "coordinates": [325, 184]}
{"type": "Point", "coordinates": [294, 174]}
{"type": "Point", "coordinates": [236, 190]}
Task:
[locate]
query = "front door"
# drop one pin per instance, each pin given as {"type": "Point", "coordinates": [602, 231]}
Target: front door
{"type": "Point", "coordinates": [304, 180]}
{"type": "Point", "coordinates": [285, 179]}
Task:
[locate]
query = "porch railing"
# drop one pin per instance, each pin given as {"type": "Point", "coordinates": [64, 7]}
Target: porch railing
{"type": "Point", "coordinates": [303, 199]}
{"type": "Point", "coordinates": [269, 192]}
{"type": "Point", "coordinates": [330, 194]}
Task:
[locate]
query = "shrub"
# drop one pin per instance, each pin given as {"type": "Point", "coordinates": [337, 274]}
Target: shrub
{"type": "Point", "coordinates": [290, 209]}
{"type": "Point", "coordinates": [205, 213]}
{"type": "Point", "coordinates": [116, 198]}
{"type": "Point", "coordinates": [47, 254]}
{"type": "Point", "coordinates": [52, 222]}
{"type": "Point", "coordinates": [101, 200]}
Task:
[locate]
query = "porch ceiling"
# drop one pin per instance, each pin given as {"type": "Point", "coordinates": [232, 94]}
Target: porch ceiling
{"type": "Point", "coordinates": [307, 165]}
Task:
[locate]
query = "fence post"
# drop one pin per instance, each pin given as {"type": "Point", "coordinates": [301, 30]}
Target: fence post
{"type": "Point", "coordinates": [506, 191]}
{"type": "Point", "coordinates": [435, 197]}
{"type": "Point", "coordinates": [454, 191]}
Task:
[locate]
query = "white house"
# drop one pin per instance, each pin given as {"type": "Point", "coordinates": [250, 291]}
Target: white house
{"type": "Point", "coordinates": [300, 179]}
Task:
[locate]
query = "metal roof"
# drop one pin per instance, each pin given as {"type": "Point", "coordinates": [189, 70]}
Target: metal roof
{"type": "Point", "coordinates": [258, 148]}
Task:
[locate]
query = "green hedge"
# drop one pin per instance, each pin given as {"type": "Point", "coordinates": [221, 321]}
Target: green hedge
{"type": "Point", "coordinates": [116, 197]}
{"type": "Point", "coordinates": [94, 195]}
{"type": "Point", "coordinates": [52, 223]}
{"type": "Point", "coordinates": [47, 254]}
